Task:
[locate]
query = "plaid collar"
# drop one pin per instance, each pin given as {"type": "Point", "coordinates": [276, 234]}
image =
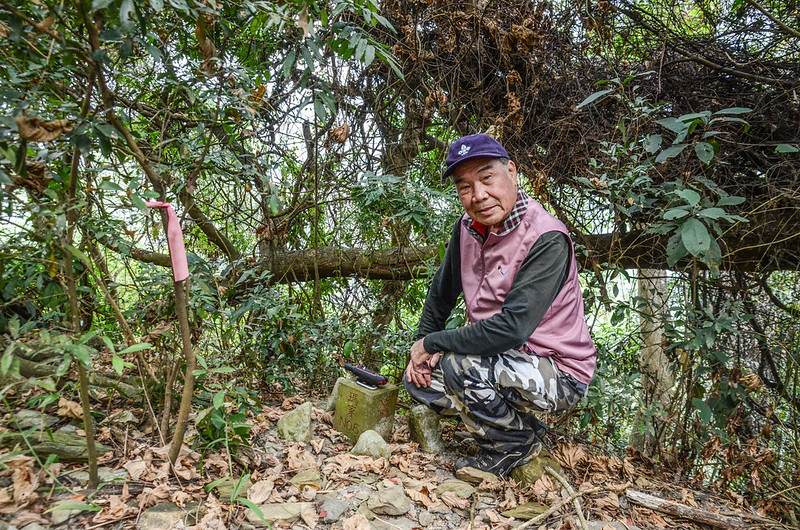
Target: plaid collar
{"type": "Point", "coordinates": [517, 213]}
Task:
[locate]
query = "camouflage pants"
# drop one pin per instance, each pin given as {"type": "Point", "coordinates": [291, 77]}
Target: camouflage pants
{"type": "Point", "coordinates": [496, 395]}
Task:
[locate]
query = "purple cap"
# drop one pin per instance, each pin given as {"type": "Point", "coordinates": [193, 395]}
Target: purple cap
{"type": "Point", "coordinates": [472, 146]}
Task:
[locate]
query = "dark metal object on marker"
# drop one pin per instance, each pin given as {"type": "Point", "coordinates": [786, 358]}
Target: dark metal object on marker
{"type": "Point", "coordinates": [367, 377]}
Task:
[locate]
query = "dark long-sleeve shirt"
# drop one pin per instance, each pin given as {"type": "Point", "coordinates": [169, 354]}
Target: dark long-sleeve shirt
{"type": "Point", "coordinates": [537, 283]}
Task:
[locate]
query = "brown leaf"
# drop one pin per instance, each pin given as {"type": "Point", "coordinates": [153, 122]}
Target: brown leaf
{"type": "Point", "coordinates": [569, 455]}
{"type": "Point", "coordinates": [420, 497]}
{"type": "Point", "coordinates": [687, 497]}
{"type": "Point", "coordinates": [136, 468]}
{"type": "Point", "coordinates": [69, 409]}
{"type": "Point", "coordinates": [609, 502]}
{"type": "Point", "coordinates": [7, 504]}
{"type": "Point", "coordinates": [357, 522]}
{"type": "Point", "coordinates": [116, 510]}
{"type": "Point", "coordinates": [302, 21]}
{"type": "Point", "coordinates": [309, 515]}
{"type": "Point", "coordinates": [36, 130]}
{"type": "Point", "coordinates": [338, 135]}
{"type": "Point", "coordinates": [299, 459]}
{"type": "Point", "coordinates": [151, 496]}
{"type": "Point", "coordinates": [259, 492]}
{"type": "Point", "coordinates": [454, 501]}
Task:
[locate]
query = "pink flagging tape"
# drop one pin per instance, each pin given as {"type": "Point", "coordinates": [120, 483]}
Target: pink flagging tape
{"type": "Point", "coordinates": [177, 249]}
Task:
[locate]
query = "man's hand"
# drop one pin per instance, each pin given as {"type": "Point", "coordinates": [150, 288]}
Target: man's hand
{"type": "Point", "coordinates": [420, 366]}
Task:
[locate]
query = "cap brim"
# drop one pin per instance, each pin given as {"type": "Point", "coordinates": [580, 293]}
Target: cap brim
{"type": "Point", "coordinates": [451, 168]}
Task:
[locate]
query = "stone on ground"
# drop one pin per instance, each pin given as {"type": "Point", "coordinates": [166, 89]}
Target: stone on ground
{"type": "Point", "coordinates": [68, 447]}
{"type": "Point", "coordinates": [306, 477]}
{"type": "Point", "coordinates": [333, 510]}
{"type": "Point", "coordinates": [63, 510]}
{"type": "Point", "coordinates": [330, 404]}
{"type": "Point", "coordinates": [529, 473]}
{"type": "Point", "coordinates": [389, 500]}
{"type": "Point", "coordinates": [475, 476]}
{"type": "Point", "coordinates": [284, 512]}
{"type": "Point", "coordinates": [370, 443]}
{"type": "Point", "coordinates": [425, 429]}
{"type": "Point", "coordinates": [167, 514]}
{"type": "Point", "coordinates": [459, 487]}
{"type": "Point", "coordinates": [226, 488]}
{"type": "Point", "coordinates": [295, 426]}
{"type": "Point", "coordinates": [105, 474]}
{"type": "Point", "coordinates": [33, 419]}
{"type": "Point", "coordinates": [526, 511]}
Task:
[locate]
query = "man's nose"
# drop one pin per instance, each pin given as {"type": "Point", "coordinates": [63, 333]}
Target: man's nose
{"type": "Point", "coordinates": [479, 192]}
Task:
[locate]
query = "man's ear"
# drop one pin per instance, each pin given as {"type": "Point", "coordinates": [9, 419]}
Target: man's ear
{"type": "Point", "coordinates": [511, 168]}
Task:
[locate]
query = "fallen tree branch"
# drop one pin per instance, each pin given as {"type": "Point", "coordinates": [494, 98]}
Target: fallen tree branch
{"type": "Point", "coordinates": [574, 495]}
{"type": "Point", "coordinates": [685, 512]}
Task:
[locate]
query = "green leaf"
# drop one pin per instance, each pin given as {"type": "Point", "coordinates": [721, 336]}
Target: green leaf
{"type": "Point", "coordinates": [288, 63]}
{"type": "Point", "coordinates": [77, 506]}
{"type": "Point", "coordinates": [136, 347]}
{"type": "Point", "coordinates": [117, 364]}
{"type": "Point", "coordinates": [219, 399]}
{"type": "Point", "coordinates": [653, 142]}
{"type": "Point", "coordinates": [125, 11]}
{"type": "Point", "coordinates": [730, 200]}
{"type": "Point", "coordinates": [675, 250]}
{"type": "Point", "coordinates": [676, 213]}
{"type": "Point", "coordinates": [78, 254]}
{"type": "Point", "coordinates": [139, 203]}
{"type": "Point", "coordinates": [111, 186]}
{"type": "Point", "coordinates": [101, 4]}
{"type": "Point", "coordinates": [250, 504]}
{"type": "Point", "coordinates": [704, 151]}
{"type": "Point", "coordinates": [670, 152]}
{"type": "Point", "coordinates": [785, 148]}
{"type": "Point", "coordinates": [734, 110]}
{"type": "Point", "coordinates": [706, 415]}
{"type": "Point", "coordinates": [673, 124]}
{"type": "Point", "coordinates": [239, 485]}
{"type": "Point", "coordinates": [690, 196]}
{"type": "Point", "coordinates": [594, 97]}
{"type": "Point", "coordinates": [157, 5]}
{"type": "Point", "coordinates": [712, 213]}
{"type": "Point", "coordinates": [695, 237]}
{"type": "Point", "coordinates": [215, 483]}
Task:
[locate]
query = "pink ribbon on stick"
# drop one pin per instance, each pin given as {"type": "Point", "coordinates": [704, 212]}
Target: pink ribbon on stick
{"type": "Point", "coordinates": [177, 249]}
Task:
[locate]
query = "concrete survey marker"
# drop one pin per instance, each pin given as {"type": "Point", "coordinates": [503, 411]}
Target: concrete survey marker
{"type": "Point", "coordinates": [359, 409]}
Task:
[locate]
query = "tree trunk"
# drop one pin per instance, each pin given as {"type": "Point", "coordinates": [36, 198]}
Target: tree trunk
{"type": "Point", "coordinates": [654, 365]}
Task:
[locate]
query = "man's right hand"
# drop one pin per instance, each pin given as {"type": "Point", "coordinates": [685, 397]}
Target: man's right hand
{"type": "Point", "coordinates": [420, 365]}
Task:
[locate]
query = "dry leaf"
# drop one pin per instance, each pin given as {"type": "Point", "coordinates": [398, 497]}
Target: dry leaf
{"type": "Point", "coordinates": [316, 445]}
{"type": "Point", "coordinates": [299, 459]}
{"type": "Point", "coordinates": [454, 501]}
{"type": "Point", "coordinates": [36, 130]}
{"type": "Point", "coordinates": [569, 456]}
{"type": "Point", "coordinates": [7, 504]}
{"type": "Point", "coordinates": [116, 510]}
{"type": "Point", "coordinates": [180, 498]}
{"type": "Point", "coordinates": [259, 492]}
{"type": "Point", "coordinates": [310, 516]}
{"type": "Point", "coordinates": [338, 135]}
{"type": "Point", "coordinates": [136, 468]}
{"type": "Point", "coordinates": [151, 496]}
{"type": "Point", "coordinates": [687, 497]}
{"type": "Point", "coordinates": [609, 502]}
{"type": "Point", "coordinates": [357, 522]}
{"type": "Point", "coordinates": [302, 21]}
{"type": "Point", "coordinates": [420, 497]}
{"type": "Point", "coordinates": [69, 409]}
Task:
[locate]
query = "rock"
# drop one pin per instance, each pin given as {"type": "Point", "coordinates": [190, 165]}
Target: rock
{"type": "Point", "coordinates": [68, 447]}
{"type": "Point", "coordinates": [423, 423]}
{"type": "Point", "coordinates": [330, 404]}
{"type": "Point", "coordinates": [284, 512]}
{"type": "Point", "coordinates": [106, 474]}
{"type": "Point", "coordinates": [400, 523]}
{"type": "Point", "coordinates": [334, 510]}
{"type": "Point", "coordinates": [475, 476]}
{"type": "Point", "coordinates": [63, 510]}
{"type": "Point", "coordinates": [295, 426]}
{"type": "Point", "coordinates": [5, 526]}
{"type": "Point", "coordinates": [126, 390]}
{"type": "Point", "coordinates": [123, 416]}
{"type": "Point", "coordinates": [529, 473]}
{"type": "Point", "coordinates": [34, 526]}
{"type": "Point", "coordinates": [167, 514]}
{"type": "Point", "coordinates": [389, 500]}
{"type": "Point", "coordinates": [33, 419]}
{"type": "Point", "coordinates": [307, 477]}
{"type": "Point", "coordinates": [426, 518]}
{"type": "Point", "coordinates": [370, 443]}
{"type": "Point", "coordinates": [225, 489]}
{"type": "Point", "coordinates": [459, 487]}
{"type": "Point", "coordinates": [526, 511]}
{"type": "Point", "coordinates": [359, 409]}
{"type": "Point", "coordinates": [609, 525]}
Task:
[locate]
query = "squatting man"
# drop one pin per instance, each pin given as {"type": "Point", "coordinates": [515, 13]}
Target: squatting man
{"type": "Point", "coordinates": [526, 347]}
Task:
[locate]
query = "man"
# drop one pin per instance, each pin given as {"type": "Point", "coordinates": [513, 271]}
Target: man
{"type": "Point", "coordinates": [526, 347]}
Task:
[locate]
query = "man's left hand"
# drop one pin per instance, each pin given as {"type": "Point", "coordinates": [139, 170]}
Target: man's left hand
{"type": "Point", "coordinates": [420, 366]}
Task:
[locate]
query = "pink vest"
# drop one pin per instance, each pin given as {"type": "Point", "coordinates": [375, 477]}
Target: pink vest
{"type": "Point", "coordinates": [488, 270]}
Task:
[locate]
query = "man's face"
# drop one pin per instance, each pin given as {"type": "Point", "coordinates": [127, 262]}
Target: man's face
{"type": "Point", "coordinates": [487, 189]}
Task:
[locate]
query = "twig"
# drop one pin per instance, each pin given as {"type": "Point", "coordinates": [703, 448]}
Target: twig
{"type": "Point", "coordinates": [571, 492]}
{"type": "Point", "coordinates": [560, 504]}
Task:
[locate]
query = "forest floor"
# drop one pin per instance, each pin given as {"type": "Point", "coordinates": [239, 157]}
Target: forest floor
{"type": "Point", "coordinates": [321, 484]}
